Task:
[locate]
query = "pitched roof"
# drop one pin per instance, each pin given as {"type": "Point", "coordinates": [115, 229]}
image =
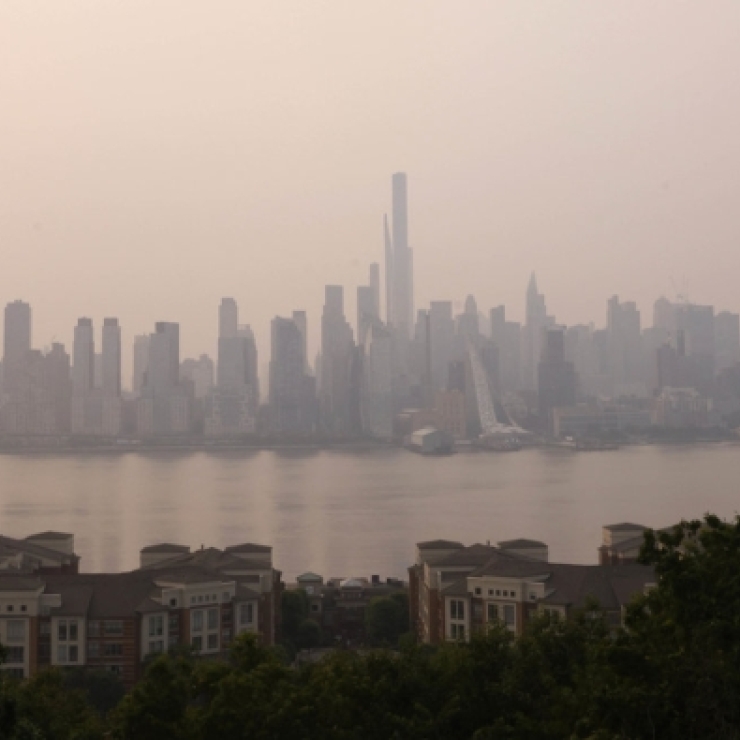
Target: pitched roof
{"type": "Point", "coordinates": [521, 544]}
{"type": "Point", "coordinates": [440, 545]}
{"type": "Point", "coordinates": [166, 547]}
{"type": "Point", "coordinates": [19, 583]}
{"type": "Point", "coordinates": [50, 535]}
{"type": "Point", "coordinates": [248, 547]}
{"type": "Point", "coordinates": [624, 527]}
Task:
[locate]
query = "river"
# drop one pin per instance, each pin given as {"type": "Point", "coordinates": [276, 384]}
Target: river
{"type": "Point", "coordinates": [342, 513]}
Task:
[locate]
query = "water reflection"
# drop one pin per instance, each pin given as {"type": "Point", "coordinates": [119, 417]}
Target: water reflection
{"type": "Point", "coordinates": [342, 513]}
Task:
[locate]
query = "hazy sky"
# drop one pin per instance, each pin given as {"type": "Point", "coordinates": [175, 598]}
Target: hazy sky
{"type": "Point", "coordinates": [157, 155]}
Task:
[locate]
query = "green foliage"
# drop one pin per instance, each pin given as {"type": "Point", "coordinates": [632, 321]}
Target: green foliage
{"type": "Point", "coordinates": [386, 619]}
{"type": "Point", "coordinates": [103, 689]}
{"type": "Point", "coordinates": [294, 610]}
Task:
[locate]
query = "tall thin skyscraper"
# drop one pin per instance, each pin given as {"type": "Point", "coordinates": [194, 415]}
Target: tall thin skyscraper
{"type": "Point", "coordinates": [399, 262]}
{"type": "Point", "coordinates": [164, 357]}
{"type": "Point", "coordinates": [536, 321]}
{"type": "Point", "coordinates": [301, 321]}
{"type": "Point", "coordinates": [16, 344]}
{"type": "Point", "coordinates": [228, 318]}
{"type": "Point", "coordinates": [111, 358]}
{"type": "Point", "coordinates": [83, 363]}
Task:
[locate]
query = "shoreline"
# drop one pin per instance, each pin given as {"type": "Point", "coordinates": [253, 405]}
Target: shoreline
{"type": "Point", "coordinates": [365, 446]}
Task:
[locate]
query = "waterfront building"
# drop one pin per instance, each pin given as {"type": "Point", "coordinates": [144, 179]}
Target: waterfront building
{"type": "Point", "coordinates": [377, 383]}
{"type": "Point", "coordinates": [292, 390]}
{"type": "Point", "coordinates": [532, 331]}
{"type": "Point", "coordinates": [16, 344]}
{"type": "Point", "coordinates": [556, 377]}
{"type": "Point", "coordinates": [54, 616]}
{"type": "Point", "coordinates": [336, 364]}
{"type": "Point", "coordinates": [624, 338]}
{"type": "Point", "coordinates": [455, 591]}
{"type": "Point", "coordinates": [165, 405]}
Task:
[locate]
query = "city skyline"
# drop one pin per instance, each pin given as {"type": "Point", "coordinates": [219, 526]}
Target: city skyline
{"type": "Point", "coordinates": [612, 177]}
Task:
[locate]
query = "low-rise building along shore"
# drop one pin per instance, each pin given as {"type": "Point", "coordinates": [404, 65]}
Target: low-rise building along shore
{"type": "Point", "coordinates": [456, 591]}
{"type": "Point", "coordinates": [51, 615]}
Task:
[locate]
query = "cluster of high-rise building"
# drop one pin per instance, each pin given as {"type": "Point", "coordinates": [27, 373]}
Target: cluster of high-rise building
{"type": "Point", "coordinates": [397, 371]}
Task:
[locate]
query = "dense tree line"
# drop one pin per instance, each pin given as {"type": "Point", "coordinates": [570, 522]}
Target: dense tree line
{"type": "Point", "coordinates": [673, 672]}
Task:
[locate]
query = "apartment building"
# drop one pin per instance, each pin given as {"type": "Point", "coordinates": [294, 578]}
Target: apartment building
{"type": "Point", "coordinates": [115, 622]}
{"type": "Point", "coordinates": [455, 591]}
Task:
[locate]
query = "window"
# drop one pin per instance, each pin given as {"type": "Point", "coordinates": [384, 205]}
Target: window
{"type": "Point", "coordinates": [457, 609]}
{"type": "Point", "coordinates": [477, 592]}
{"type": "Point", "coordinates": [112, 649]}
{"type": "Point", "coordinates": [23, 607]}
{"type": "Point", "coordinates": [93, 629]}
{"type": "Point", "coordinates": [314, 607]}
{"type": "Point", "coordinates": [73, 631]}
{"type": "Point", "coordinates": [173, 602]}
{"type": "Point", "coordinates": [62, 631]}
{"type": "Point", "coordinates": [73, 654]}
{"type": "Point", "coordinates": [113, 627]}
{"type": "Point", "coordinates": [213, 641]}
{"type": "Point", "coordinates": [533, 597]}
{"type": "Point", "coordinates": [16, 630]}
{"type": "Point", "coordinates": [16, 673]}
{"type": "Point", "coordinates": [15, 654]}
{"type": "Point", "coordinates": [9, 607]}
{"type": "Point", "coordinates": [213, 619]}
{"type": "Point", "coordinates": [492, 612]}
{"type": "Point", "coordinates": [62, 653]}
{"type": "Point", "coordinates": [246, 614]}
{"type": "Point", "coordinates": [226, 636]}
{"type": "Point", "coordinates": [45, 628]}
{"type": "Point", "coordinates": [457, 631]}
{"type": "Point", "coordinates": [116, 669]}
{"type": "Point", "coordinates": [192, 599]}
{"type": "Point", "coordinates": [93, 649]}
{"type": "Point", "coordinates": [172, 640]}
{"type": "Point", "coordinates": [156, 646]}
{"type": "Point", "coordinates": [197, 621]}
{"type": "Point", "coordinates": [156, 626]}
{"type": "Point", "coordinates": [198, 643]}
{"type": "Point", "coordinates": [498, 592]}
{"type": "Point", "coordinates": [174, 623]}
{"type": "Point", "coordinates": [490, 592]}
{"type": "Point", "coordinates": [509, 615]}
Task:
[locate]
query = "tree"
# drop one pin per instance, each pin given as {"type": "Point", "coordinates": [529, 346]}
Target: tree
{"type": "Point", "coordinates": [385, 619]}
{"type": "Point", "coordinates": [309, 634]}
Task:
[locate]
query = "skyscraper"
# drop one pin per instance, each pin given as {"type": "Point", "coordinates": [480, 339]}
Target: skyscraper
{"type": "Point", "coordinates": [233, 403]}
{"type": "Point", "coordinates": [291, 389]}
{"type": "Point", "coordinates": [399, 262]}
{"type": "Point", "coordinates": [336, 359]}
{"type": "Point", "coordinates": [17, 343]}
{"type": "Point", "coordinates": [111, 358]}
{"type": "Point", "coordinates": [556, 386]}
{"type": "Point", "coordinates": [228, 318]}
{"type": "Point", "coordinates": [535, 322]}
{"type": "Point", "coordinates": [83, 363]}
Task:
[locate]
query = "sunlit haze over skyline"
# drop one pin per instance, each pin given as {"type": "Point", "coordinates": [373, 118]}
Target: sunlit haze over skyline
{"type": "Point", "coordinates": [155, 157]}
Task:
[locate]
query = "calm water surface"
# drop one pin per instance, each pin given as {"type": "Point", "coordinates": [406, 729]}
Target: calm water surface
{"type": "Point", "coordinates": [357, 513]}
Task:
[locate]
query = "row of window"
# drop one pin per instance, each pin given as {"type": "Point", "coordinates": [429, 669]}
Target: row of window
{"type": "Point", "coordinates": [205, 598]}
{"type": "Point", "coordinates": [211, 642]}
{"type": "Point", "coordinates": [107, 627]}
{"type": "Point", "coordinates": [506, 593]}
{"type": "Point", "coordinates": [109, 649]}
{"type": "Point", "coordinates": [503, 612]}
{"type": "Point", "coordinates": [11, 608]}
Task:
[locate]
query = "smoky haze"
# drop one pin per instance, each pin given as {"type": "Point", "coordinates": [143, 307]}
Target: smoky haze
{"type": "Point", "coordinates": [155, 157]}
